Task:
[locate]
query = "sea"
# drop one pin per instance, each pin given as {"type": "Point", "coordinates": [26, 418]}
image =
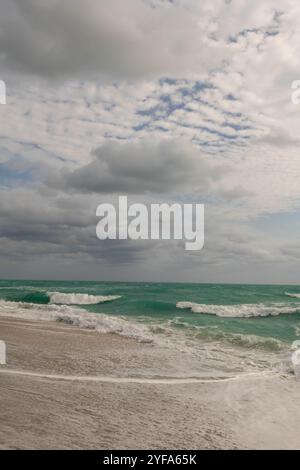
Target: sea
{"type": "Point", "coordinates": [246, 316]}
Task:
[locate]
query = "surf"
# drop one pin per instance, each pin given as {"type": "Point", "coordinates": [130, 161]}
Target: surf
{"type": "Point", "coordinates": [241, 310]}
{"type": "Point", "coordinates": [293, 295]}
{"type": "Point", "coordinates": [79, 299]}
{"type": "Point", "coordinates": [78, 317]}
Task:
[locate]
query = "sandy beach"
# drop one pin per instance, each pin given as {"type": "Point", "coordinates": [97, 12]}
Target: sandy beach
{"type": "Point", "coordinates": [69, 388]}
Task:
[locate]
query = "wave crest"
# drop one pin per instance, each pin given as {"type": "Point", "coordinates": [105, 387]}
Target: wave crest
{"type": "Point", "coordinates": [79, 299]}
{"type": "Point", "coordinates": [291, 294]}
{"type": "Point", "coordinates": [241, 310]}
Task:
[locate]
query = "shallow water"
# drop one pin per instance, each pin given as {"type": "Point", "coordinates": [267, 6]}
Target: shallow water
{"type": "Point", "coordinates": [251, 316]}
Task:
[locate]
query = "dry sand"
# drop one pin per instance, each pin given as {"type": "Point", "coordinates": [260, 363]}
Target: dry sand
{"type": "Point", "coordinates": [101, 391]}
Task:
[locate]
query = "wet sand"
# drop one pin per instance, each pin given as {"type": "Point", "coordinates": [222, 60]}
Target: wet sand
{"type": "Point", "coordinates": [70, 388]}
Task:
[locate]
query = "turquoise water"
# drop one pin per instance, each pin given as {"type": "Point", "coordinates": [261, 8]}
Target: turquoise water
{"type": "Point", "coordinates": [155, 304]}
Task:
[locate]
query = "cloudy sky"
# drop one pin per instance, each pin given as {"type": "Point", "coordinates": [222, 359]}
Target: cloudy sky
{"type": "Point", "coordinates": [162, 100]}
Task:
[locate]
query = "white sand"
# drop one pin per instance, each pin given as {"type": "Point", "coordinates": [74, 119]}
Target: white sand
{"type": "Point", "coordinates": [69, 388]}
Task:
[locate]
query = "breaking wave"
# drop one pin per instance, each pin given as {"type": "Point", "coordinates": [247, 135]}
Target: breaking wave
{"type": "Point", "coordinates": [75, 316]}
{"type": "Point", "coordinates": [174, 332]}
{"type": "Point", "coordinates": [248, 341]}
{"type": "Point", "coordinates": [79, 299]}
{"type": "Point", "coordinates": [241, 310]}
{"type": "Point", "coordinates": [294, 295]}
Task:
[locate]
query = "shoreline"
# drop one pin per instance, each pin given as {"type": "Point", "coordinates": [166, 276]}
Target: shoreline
{"type": "Point", "coordinates": [134, 399]}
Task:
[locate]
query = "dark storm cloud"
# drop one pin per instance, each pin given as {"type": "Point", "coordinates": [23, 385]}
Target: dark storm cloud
{"type": "Point", "coordinates": [64, 226]}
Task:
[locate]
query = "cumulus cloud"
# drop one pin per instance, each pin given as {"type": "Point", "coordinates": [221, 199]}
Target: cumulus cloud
{"type": "Point", "coordinates": [140, 167]}
{"type": "Point", "coordinates": [131, 38]}
{"type": "Point", "coordinates": [125, 39]}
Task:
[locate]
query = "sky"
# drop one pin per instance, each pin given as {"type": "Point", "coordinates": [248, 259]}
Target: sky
{"type": "Point", "coordinates": [161, 100]}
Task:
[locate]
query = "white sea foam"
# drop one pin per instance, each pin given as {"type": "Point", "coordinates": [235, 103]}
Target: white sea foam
{"type": "Point", "coordinates": [141, 380]}
{"type": "Point", "coordinates": [79, 299]}
{"type": "Point", "coordinates": [213, 333]}
{"type": "Point", "coordinates": [242, 310]}
{"type": "Point", "coordinates": [76, 316]}
{"type": "Point", "coordinates": [294, 295]}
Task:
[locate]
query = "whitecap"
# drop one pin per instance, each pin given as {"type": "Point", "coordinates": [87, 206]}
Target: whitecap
{"type": "Point", "coordinates": [79, 299]}
{"type": "Point", "coordinates": [294, 295]}
{"type": "Point", "coordinates": [241, 310]}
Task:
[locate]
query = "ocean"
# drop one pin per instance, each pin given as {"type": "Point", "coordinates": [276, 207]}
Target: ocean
{"type": "Point", "coordinates": [248, 316]}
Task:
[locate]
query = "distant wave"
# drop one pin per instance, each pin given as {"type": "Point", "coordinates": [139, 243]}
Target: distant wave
{"type": "Point", "coordinates": [291, 294]}
{"type": "Point", "coordinates": [79, 299]}
{"type": "Point", "coordinates": [241, 310]}
{"type": "Point", "coordinates": [76, 316]}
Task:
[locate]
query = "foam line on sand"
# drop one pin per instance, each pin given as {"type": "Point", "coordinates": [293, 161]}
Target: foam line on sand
{"type": "Point", "coordinates": [135, 380]}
